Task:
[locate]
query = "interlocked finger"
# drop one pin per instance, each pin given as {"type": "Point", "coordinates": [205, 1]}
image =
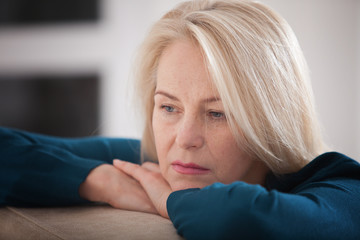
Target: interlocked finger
{"type": "Point", "coordinates": [134, 170]}
{"type": "Point", "coordinates": [154, 167]}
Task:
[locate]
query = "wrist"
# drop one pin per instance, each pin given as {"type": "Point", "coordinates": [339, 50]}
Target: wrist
{"type": "Point", "coordinates": [91, 189]}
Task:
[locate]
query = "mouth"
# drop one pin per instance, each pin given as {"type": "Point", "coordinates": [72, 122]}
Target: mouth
{"type": "Point", "coordinates": [189, 168]}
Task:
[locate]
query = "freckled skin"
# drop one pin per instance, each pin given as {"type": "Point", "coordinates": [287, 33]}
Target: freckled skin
{"type": "Point", "coordinates": [189, 124]}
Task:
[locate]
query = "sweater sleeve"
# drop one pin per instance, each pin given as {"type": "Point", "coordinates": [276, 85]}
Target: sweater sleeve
{"type": "Point", "coordinates": [324, 210]}
{"type": "Point", "coordinates": [42, 170]}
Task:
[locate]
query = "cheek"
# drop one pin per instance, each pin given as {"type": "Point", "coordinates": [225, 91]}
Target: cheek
{"type": "Point", "coordinates": [158, 138]}
{"type": "Point", "coordinates": [161, 140]}
{"type": "Point", "coordinates": [163, 130]}
{"type": "Point", "coordinates": [231, 162]}
{"type": "Point", "coordinates": [155, 126]}
{"type": "Point", "coordinates": [223, 144]}
{"type": "Point", "coordinates": [158, 131]}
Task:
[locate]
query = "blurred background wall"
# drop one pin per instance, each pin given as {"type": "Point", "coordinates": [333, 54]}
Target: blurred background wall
{"type": "Point", "coordinates": [99, 51]}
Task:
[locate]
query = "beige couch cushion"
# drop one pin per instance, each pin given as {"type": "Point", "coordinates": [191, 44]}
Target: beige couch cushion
{"type": "Point", "coordinates": [82, 222]}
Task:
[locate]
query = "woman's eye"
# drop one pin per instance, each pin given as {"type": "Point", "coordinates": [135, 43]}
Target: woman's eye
{"type": "Point", "coordinates": [168, 108]}
{"type": "Point", "coordinates": [217, 115]}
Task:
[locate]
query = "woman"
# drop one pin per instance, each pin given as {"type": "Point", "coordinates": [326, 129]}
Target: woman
{"type": "Point", "coordinates": [229, 116]}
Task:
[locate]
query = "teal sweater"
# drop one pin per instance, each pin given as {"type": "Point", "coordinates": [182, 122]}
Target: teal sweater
{"type": "Point", "coordinates": [321, 201]}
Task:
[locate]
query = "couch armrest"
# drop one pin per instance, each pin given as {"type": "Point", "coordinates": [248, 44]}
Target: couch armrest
{"type": "Point", "coordinates": [82, 222]}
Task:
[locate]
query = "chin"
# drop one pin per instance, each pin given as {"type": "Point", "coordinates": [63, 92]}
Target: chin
{"type": "Point", "coordinates": [176, 186]}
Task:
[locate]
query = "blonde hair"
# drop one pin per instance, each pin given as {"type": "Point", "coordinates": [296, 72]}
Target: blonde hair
{"type": "Point", "coordinates": [258, 68]}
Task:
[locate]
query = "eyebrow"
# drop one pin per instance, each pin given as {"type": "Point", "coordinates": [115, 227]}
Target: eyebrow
{"type": "Point", "coordinates": [168, 95]}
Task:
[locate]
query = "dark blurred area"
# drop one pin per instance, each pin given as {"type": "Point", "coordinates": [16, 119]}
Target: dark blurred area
{"type": "Point", "coordinates": [60, 104]}
{"type": "Point", "coordinates": [64, 106]}
{"type": "Point", "coordinates": [23, 12]}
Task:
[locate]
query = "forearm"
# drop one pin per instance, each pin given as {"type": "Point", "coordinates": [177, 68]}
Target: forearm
{"type": "Point", "coordinates": [251, 212]}
{"type": "Point", "coordinates": [34, 175]}
{"type": "Point", "coordinates": [44, 170]}
{"type": "Point", "coordinates": [100, 148]}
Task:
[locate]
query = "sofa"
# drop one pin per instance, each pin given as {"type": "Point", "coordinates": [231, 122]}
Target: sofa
{"type": "Point", "coordinates": [96, 221]}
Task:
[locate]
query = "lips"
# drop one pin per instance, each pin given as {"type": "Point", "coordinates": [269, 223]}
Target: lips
{"type": "Point", "coordinates": [188, 168]}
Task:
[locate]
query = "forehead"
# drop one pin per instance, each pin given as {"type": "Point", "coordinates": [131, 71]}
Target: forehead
{"type": "Point", "coordinates": [182, 70]}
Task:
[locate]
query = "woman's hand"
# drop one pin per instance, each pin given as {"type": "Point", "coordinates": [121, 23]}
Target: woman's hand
{"type": "Point", "coordinates": [107, 184]}
{"type": "Point", "coordinates": [150, 178]}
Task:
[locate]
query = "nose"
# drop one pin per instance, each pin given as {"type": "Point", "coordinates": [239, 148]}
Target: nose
{"type": "Point", "coordinates": [190, 133]}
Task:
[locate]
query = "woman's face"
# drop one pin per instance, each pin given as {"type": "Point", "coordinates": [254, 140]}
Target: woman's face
{"type": "Point", "coordinates": [194, 143]}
